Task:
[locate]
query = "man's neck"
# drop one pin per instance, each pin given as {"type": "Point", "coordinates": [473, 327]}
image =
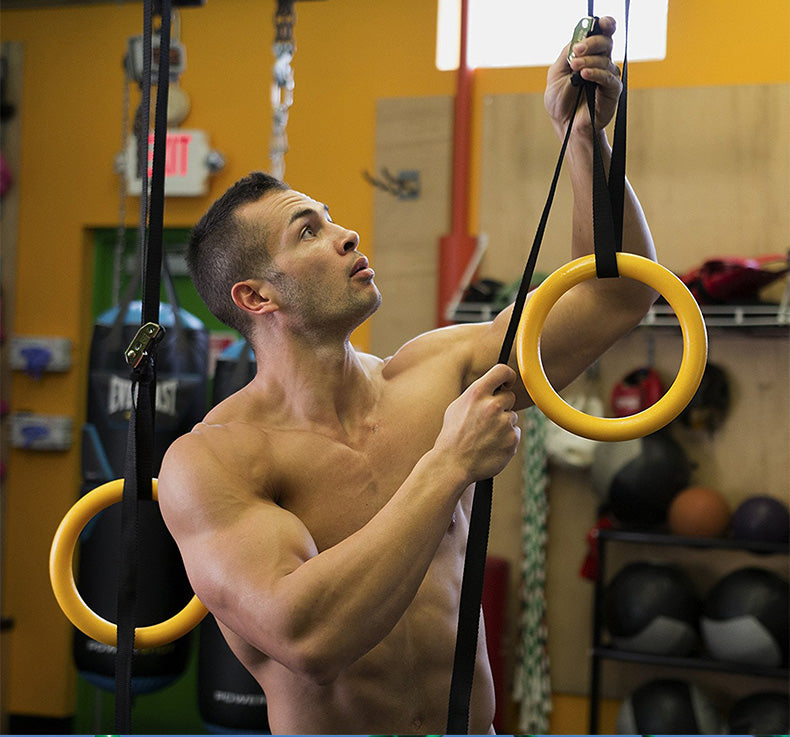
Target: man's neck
{"type": "Point", "coordinates": [327, 384]}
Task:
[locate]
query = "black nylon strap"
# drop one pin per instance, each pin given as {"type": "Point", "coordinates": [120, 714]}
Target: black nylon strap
{"type": "Point", "coordinates": [617, 165]}
{"type": "Point", "coordinates": [480, 518]}
{"type": "Point", "coordinates": [152, 255]}
{"type": "Point", "coordinates": [609, 197]}
{"type": "Point", "coordinates": [139, 456]}
{"type": "Point", "coordinates": [603, 222]}
{"type": "Point", "coordinates": [608, 206]}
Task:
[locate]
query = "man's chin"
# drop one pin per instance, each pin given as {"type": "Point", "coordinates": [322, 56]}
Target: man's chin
{"type": "Point", "coordinates": [372, 305]}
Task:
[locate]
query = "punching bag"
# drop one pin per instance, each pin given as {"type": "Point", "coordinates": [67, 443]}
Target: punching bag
{"type": "Point", "coordinates": [163, 588]}
{"type": "Point", "coordinates": [235, 368]}
{"type": "Point", "coordinates": [229, 698]}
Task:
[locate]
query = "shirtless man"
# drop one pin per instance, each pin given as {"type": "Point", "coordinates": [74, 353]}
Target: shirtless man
{"type": "Point", "coordinates": [322, 511]}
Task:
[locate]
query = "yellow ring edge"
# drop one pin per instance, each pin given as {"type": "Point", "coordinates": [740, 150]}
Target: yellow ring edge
{"type": "Point", "coordinates": [64, 587]}
{"type": "Point", "coordinates": [678, 395]}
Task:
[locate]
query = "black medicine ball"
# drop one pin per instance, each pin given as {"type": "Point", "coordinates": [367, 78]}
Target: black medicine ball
{"type": "Point", "coordinates": [668, 707]}
{"type": "Point", "coordinates": [760, 713]}
{"type": "Point", "coordinates": [652, 608]}
{"type": "Point", "coordinates": [745, 618]}
{"type": "Point", "coordinates": [641, 491]}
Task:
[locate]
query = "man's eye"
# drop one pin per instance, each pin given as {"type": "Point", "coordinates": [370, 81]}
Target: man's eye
{"type": "Point", "coordinates": [307, 231]}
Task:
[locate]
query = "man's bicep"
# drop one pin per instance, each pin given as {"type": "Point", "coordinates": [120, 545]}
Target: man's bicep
{"type": "Point", "coordinates": [485, 346]}
{"type": "Point", "coordinates": [236, 544]}
{"type": "Point", "coordinates": [241, 572]}
{"type": "Point", "coordinates": [249, 553]}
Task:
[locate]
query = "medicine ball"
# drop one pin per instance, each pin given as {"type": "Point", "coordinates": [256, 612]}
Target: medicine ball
{"type": "Point", "coordinates": [745, 618]}
{"type": "Point", "coordinates": [760, 713]}
{"type": "Point", "coordinates": [652, 608]}
{"type": "Point", "coordinates": [699, 511]}
{"type": "Point", "coordinates": [761, 518]}
{"type": "Point", "coordinates": [667, 706]}
{"type": "Point", "coordinates": [641, 477]}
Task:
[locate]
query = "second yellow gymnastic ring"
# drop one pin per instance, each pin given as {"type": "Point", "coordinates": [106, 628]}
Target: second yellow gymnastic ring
{"type": "Point", "coordinates": [61, 577]}
{"type": "Point", "coordinates": [692, 365]}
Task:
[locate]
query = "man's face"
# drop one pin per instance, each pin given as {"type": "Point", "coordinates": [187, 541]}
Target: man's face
{"type": "Point", "coordinates": [320, 279]}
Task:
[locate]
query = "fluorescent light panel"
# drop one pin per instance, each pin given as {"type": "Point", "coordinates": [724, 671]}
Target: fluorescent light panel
{"type": "Point", "coordinates": [528, 33]}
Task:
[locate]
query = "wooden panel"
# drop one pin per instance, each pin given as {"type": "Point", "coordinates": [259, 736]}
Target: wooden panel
{"type": "Point", "coordinates": [520, 151]}
{"type": "Point", "coordinates": [412, 134]}
{"type": "Point", "coordinates": [710, 166]}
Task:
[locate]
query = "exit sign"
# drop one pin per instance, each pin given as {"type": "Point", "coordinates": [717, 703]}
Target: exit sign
{"type": "Point", "coordinates": [186, 163]}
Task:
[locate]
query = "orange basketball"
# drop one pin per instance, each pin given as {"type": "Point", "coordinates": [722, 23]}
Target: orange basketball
{"type": "Point", "coordinates": [699, 512]}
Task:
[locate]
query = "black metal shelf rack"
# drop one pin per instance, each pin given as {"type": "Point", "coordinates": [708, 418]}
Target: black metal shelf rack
{"type": "Point", "coordinates": [601, 651]}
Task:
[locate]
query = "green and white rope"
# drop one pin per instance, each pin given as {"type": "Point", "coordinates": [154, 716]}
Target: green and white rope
{"type": "Point", "coordinates": [532, 683]}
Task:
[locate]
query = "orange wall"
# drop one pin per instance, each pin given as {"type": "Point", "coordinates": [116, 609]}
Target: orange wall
{"type": "Point", "coordinates": [349, 54]}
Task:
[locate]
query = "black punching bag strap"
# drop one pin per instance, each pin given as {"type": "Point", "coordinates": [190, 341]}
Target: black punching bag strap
{"type": "Point", "coordinates": [140, 356]}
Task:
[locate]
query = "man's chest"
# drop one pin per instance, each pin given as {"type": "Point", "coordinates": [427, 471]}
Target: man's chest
{"type": "Point", "coordinates": [336, 483]}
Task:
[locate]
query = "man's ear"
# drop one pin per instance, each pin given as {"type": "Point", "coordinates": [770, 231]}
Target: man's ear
{"type": "Point", "coordinates": [254, 296]}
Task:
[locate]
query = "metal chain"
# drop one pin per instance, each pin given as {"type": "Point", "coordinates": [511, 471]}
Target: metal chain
{"type": "Point", "coordinates": [282, 84]}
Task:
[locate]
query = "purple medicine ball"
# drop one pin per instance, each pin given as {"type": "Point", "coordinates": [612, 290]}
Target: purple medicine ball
{"type": "Point", "coordinates": [761, 518]}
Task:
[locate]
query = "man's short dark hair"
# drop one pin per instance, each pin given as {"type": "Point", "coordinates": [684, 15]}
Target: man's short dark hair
{"type": "Point", "coordinates": [225, 249]}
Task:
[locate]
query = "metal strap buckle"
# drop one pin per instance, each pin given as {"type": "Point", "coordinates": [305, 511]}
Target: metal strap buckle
{"type": "Point", "coordinates": [144, 342]}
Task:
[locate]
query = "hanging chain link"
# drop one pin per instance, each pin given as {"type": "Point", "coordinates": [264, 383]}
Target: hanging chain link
{"type": "Point", "coordinates": [282, 84]}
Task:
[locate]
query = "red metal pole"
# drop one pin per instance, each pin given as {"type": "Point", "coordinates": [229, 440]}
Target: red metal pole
{"type": "Point", "coordinates": [457, 248]}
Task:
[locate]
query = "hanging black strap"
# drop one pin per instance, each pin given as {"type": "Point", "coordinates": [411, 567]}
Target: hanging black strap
{"type": "Point", "coordinates": [609, 197]}
{"type": "Point", "coordinates": [604, 238]}
{"type": "Point", "coordinates": [480, 518]}
{"type": "Point", "coordinates": [617, 164]}
{"type": "Point", "coordinates": [608, 239]}
{"type": "Point", "coordinates": [141, 355]}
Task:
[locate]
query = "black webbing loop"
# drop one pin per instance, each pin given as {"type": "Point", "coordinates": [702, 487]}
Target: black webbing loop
{"type": "Point", "coordinates": [604, 238]}
{"type": "Point", "coordinates": [608, 205]}
{"type": "Point", "coordinates": [139, 453]}
{"type": "Point", "coordinates": [609, 197]}
{"type": "Point", "coordinates": [152, 255]}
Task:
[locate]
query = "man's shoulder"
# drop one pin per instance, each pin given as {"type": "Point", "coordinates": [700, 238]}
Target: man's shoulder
{"type": "Point", "coordinates": [213, 450]}
{"type": "Point", "coordinates": [224, 442]}
{"type": "Point", "coordinates": [450, 346]}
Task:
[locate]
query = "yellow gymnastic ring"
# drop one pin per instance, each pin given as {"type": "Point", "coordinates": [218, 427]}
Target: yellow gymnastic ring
{"type": "Point", "coordinates": [692, 365]}
{"type": "Point", "coordinates": [61, 576]}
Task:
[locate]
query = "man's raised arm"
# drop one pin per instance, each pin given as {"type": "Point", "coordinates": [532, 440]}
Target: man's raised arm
{"type": "Point", "coordinates": [592, 316]}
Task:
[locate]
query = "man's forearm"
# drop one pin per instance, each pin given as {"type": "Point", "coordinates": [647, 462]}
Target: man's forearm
{"type": "Point", "coordinates": [636, 234]}
{"type": "Point", "coordinates": [344, 601]}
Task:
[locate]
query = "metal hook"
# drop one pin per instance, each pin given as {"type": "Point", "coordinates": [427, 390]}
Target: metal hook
{"type": "Point", "coordinates": [405, 186]}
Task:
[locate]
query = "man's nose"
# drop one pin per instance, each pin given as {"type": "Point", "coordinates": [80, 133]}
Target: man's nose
{"type": "Point", "coordinates": [348, 240]}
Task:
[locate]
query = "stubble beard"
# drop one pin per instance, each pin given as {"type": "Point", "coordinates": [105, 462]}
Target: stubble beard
{"type": "Point", "coordinates": [324, 318]}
